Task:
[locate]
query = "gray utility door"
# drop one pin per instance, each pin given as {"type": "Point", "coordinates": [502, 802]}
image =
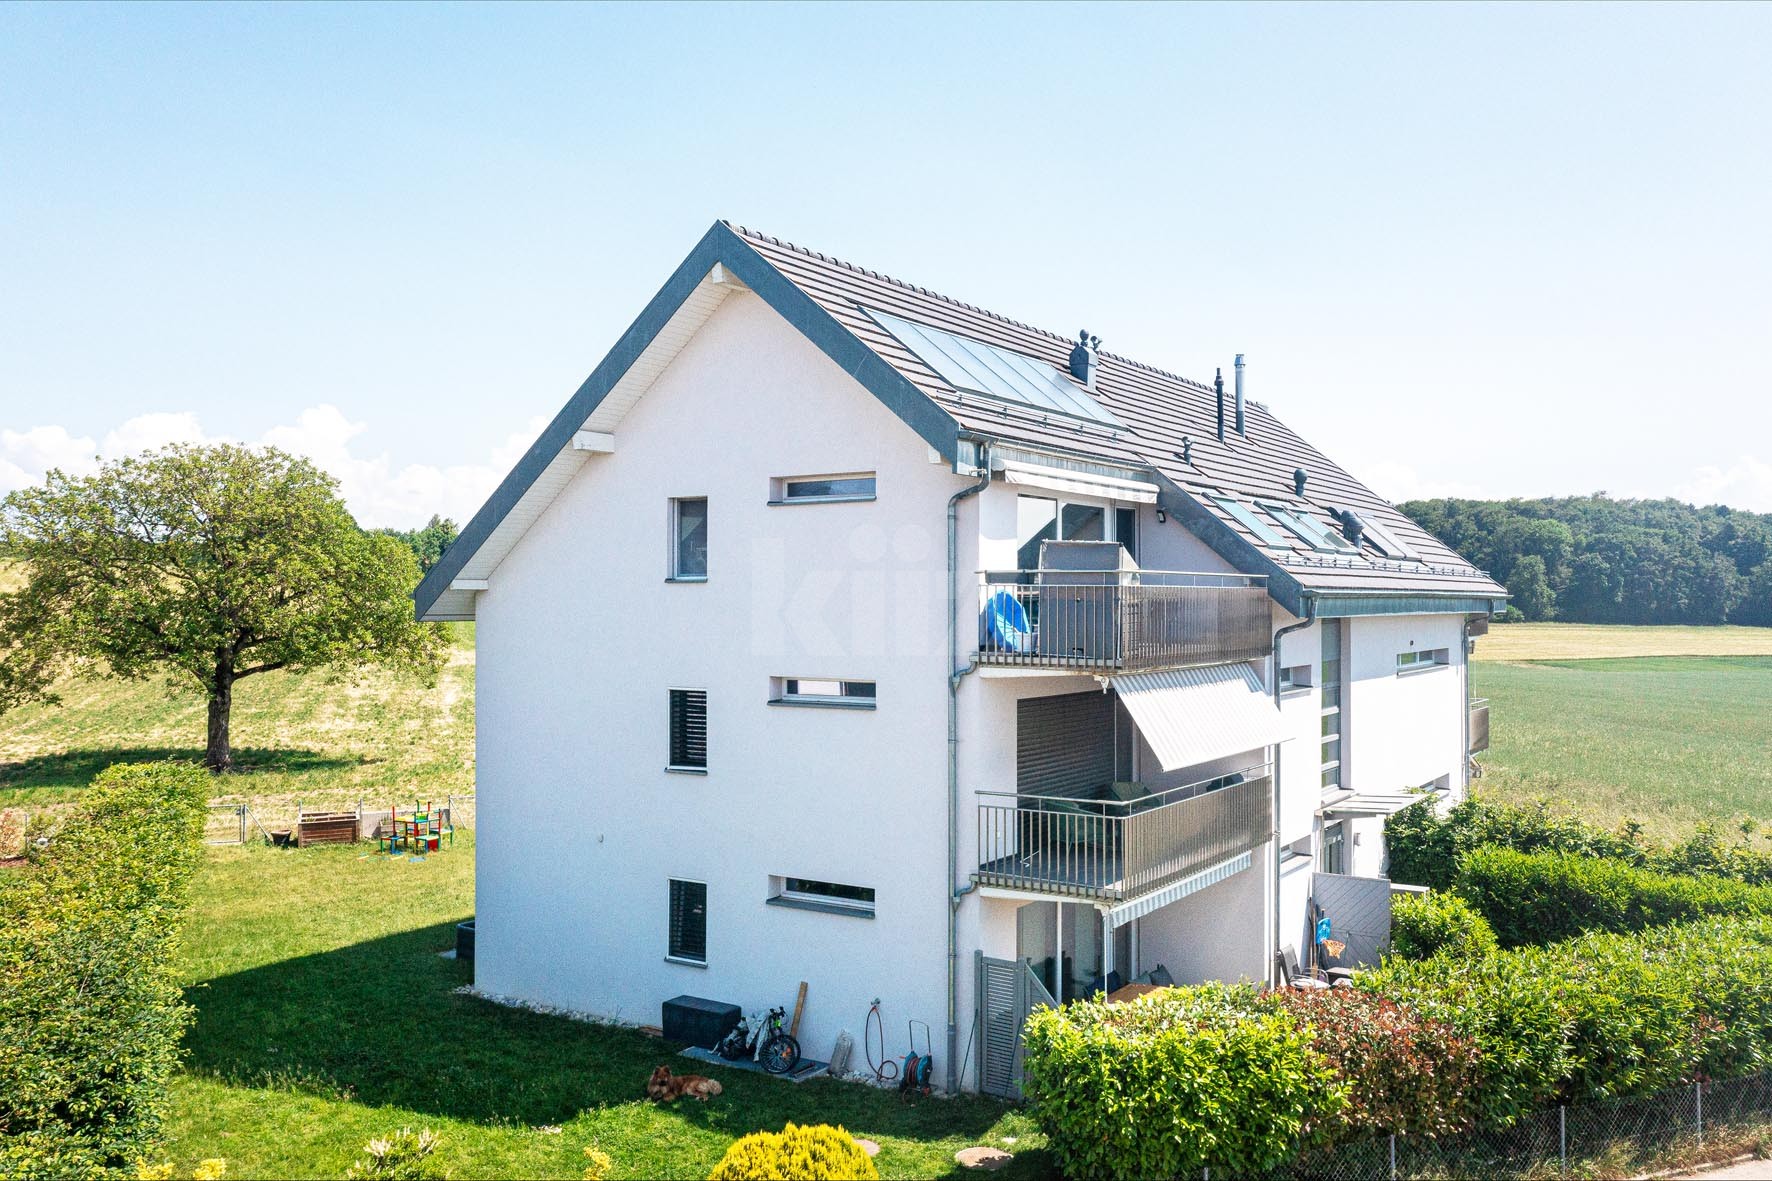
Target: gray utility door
{"type": "Point", "coordinates": [1008, 991]}
{"type": "Point", "coordinates": [1359, 913]}
{"type": "Point", "coordinates": [1064, 746]}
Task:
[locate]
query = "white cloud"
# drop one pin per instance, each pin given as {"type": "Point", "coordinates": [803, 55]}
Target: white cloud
{"type": "Point", "coordinates": [378, 492]}
{"type": "Point", "coordinates": [1744, 484]}
{"type": "Point", "coordinates": [1397, 482]}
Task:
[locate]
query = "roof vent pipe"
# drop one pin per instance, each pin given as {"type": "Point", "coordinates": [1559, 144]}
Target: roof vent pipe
{"type": "Point", "coordinates": [1241, 430]}
{"type": "Point", "coordinates": [1298, 479]}
{"type": "Point", "coordinates": [1085, 356]}
{"type": "Point", "coordinates": [1352, 527]}
{"type": "Point", "coordinates": [1218, 384]}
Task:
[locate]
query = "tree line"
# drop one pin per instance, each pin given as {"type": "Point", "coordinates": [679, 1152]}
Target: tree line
{"type": "Point", "coordinates": [1594, 559]}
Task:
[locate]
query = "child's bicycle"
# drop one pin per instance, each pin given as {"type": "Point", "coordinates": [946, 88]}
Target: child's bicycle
{"type": "Point", "coordinates": [769, 1045]}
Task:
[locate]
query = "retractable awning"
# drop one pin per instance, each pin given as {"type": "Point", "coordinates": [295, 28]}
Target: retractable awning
{"type": "Point", "coordinates": [1081, 483]}
{"type": "Point", "coordinates": [1195, 715]}
{"type": "Point", "coordinates": [1373, 803]}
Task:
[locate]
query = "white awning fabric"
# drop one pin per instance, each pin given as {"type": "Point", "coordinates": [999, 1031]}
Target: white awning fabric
{"type": "Point", "coordinates": [1374, 803]}
{"type": "Point", "coordinates": [1195, 715]}
{"type": "Point", "coordinates": [1081, 483]}
{"type": "Point", "coordinates": [1135, 908]}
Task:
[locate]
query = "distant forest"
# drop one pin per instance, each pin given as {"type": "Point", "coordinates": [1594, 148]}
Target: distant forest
{"type": "Point", "coordinates": [1592, 559]}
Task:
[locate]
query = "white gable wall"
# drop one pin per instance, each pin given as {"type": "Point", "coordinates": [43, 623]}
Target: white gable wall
{"type": "Point", "coordinates": [580, 637]}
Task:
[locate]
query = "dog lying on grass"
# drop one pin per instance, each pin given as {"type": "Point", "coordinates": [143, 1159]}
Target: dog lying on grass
{"type": "Point", "coordinates": [664, 1086]}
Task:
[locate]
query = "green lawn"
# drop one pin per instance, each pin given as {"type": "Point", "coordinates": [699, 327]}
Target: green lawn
{"type": "Point", "coordinates": [326, 1018]}
{"type": "Point", "coordinates": [1670, 741]}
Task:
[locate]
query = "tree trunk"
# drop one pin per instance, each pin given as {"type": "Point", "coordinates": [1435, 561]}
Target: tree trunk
{"type": "Point", "coordinates": [221, 701]}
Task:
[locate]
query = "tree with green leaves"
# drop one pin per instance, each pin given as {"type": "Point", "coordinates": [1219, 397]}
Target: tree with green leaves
{"type": "Point", "coordinates": [204, 564]}
{"type": "Point", "coordinates": [428, 544]}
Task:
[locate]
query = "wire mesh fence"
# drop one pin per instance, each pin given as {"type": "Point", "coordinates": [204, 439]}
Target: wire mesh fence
{"type": "Point", "coordinates": [242, 819]}
{"type": "Point", "coordinates": [1614, 1138]}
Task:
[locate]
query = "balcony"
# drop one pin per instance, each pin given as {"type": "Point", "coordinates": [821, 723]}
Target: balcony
{"type": "Point", "coordinates": [1121, 621]}
{"type": "Point", "coordinates": [1111, 850]}
{"type": "Point", "coordinates": [1479, 725]}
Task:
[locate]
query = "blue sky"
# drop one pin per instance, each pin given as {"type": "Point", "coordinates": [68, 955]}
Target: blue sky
{"type": "Point", "coordinates": [1468, 250]}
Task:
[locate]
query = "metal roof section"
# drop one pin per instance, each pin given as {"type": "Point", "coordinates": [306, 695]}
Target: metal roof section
{"type": "Point", "coordinates": [974, 367]}
{"type": "Point", "coordinates": [1190, 716]}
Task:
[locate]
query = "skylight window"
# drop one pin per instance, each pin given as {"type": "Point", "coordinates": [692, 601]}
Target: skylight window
{"type": "Point", "coordinates": [1246, 517]}
{"type": "Point", "coordinates": [1384, 541]}
{"type": "Point", "coordinates": [1299, 522]}
{"type": "Point", "coordinates": [974, 367]}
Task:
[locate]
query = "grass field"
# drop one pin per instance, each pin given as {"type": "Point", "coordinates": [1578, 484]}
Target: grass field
{"type": "Point", "coordinates": [326, 1018]}
{"type": "Point", "coordinates": [1668, 726]}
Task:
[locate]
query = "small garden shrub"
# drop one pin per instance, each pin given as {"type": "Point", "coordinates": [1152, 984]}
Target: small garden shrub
{"type": "Point", "coordinates": [1426, 924]}
{"type": "Point", "coordinates": [1186, 1079]}
{"type": "Point", "coordinates": [598, 1164]}
{"type": "Point", "coordinates": [1532, 898]}
{"type": "Point", "coordinates": [1600, 1016]}
{"type": "Point", "coordinates": [1401, 1072]}
{"type": "Point", "coordinates": [815, 1152]}
{"type": "Point", "coordinates": [91, 1011]}
{"type": "Point", "coordinates": [400, 1156]}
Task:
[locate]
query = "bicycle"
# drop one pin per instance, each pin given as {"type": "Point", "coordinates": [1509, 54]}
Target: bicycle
{"type": "Point", "coordinates": [769, 1045]}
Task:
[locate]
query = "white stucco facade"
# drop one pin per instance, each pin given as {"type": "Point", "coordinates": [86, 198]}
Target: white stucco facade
{"type": "Point", "coordinates": [581, 636]}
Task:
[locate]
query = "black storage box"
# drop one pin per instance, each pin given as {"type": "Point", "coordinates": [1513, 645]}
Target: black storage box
{"type": "Point", "coordinates": [697, 1020]}
{"type": "Point", "coordinates": [464, 940]}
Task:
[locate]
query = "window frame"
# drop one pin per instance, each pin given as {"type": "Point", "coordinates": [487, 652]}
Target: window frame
{"type": "Point", "coordinates": [1296, 520]}
{"type": "Point", "coordinates": [1112, 514]}
{"type": "Point", "coordinates": [780, 693]}
{"type": "Point", "coordinates": [1387, 544]}
{"type": "Point", "coordinates": [675, 557]}
{"type": "Point", "coordinates": [1293, 684]}
{"type": "Point", "coordinates": [1421, 660]}
{"type": "Point", "coordinates": [672, 953]}
{"type": "Point", "coordinates": [1246, 516]}
{"type": "Point", "coordinates": [671, 764]}
{"type": "Point", "coordinates": [781, 489]}
{"type": "Point", "coordinates": [783, 893]}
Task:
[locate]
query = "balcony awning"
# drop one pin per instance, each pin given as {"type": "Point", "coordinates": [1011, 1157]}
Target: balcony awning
{"type": "Point", "coordinates": [1374, 803]}
{"type": "Point", "coordinates": [1191, 716]}
{"type": "Point", "coordinates": [1081, 483]}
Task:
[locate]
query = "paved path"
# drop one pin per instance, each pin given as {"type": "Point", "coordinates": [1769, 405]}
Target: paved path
{"type": "Point", "coordinates": [1747, 1170]}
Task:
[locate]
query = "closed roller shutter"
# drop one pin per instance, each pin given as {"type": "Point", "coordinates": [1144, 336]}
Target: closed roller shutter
{"type": "Point", "coordinates": [1064, 745]}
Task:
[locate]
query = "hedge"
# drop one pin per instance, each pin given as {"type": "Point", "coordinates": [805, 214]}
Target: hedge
{"type": "Point", "coordinates": [1600, 1016]}
{"type": "Point", "coordinates": [1534, 898]}
{"type": "Point", "coordinates": [1425, 848]}
{"type": "Point", "coordinates": [91, 1011]}
{"type": "Point", "coordinates": [1426, 924]}
{"type": "Point", "coordinates": [1215, 1077]}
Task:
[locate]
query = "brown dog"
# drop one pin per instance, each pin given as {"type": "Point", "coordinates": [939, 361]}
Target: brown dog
{"type": "Point", "coordinates": [664, 1086]}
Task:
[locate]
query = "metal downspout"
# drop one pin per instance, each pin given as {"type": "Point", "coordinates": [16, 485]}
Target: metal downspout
{"type": "Point", "coordinates": [954, 674]}
{"type": "Point", "coordinates": [1310, 616]}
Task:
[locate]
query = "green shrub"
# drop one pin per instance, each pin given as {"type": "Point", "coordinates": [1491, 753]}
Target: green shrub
{"type": "Point", "coordinates": [1533, 898]}
{"type": "Point", "coordinates": [1216, 1077]}
{"type": "Point", "coordinates": [816, 1152]}
{"type": "Point", "coordinates": [1600, 1016]}
{"type": "Point", "coordinates": [1426, 924]}
{"type": "Point", "coordinates": [1401, 1072]}
{"type": "Point", "coordinates": [399, 1156]}
{"type": "Point", "coordinates": [91, 1011]}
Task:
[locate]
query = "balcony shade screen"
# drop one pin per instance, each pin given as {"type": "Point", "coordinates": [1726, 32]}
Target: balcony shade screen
{"type": "Point", "coordinates": [1195, 715]}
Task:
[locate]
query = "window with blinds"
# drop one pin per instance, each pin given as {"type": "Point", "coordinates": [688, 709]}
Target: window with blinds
{"type": "Point", "coordinates": [689, 921]}
{"type": "Point", "coordinates": [689, 730]}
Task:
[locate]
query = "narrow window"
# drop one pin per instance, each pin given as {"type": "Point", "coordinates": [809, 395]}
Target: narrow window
{"type": "Point", "coordinates": [827, 896]}
{"type": "Point", "coordinates": [1335, 848]}
{"type": "Point", "coordinates": [1331, 705]}
{"type": "Point", "coordinates": [689, 922]}
{"type": "Point", "coordinates": [1429, 658]}
{"type": "Point", "coordinates": [1126, 530]}
{"type": "Point", "coordinates": [689, 538]}
{"type": "Point", "coordinates": [1297, 677]}
{"type": "Point", "coordinates": [819, 691]}
{"type": "Point", "coordinates": [810, 489]}
{"type": "Point", "coordinates": [689, 730]}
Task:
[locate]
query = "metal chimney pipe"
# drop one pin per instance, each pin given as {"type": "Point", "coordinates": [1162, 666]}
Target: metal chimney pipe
{"type": "Point", "coordinates": [1241, 426]}
{"type": "Point", "coordinates": [1218, 384]}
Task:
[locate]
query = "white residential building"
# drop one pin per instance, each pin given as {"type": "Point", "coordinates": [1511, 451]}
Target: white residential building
{"type": "Point", "coordinates": [841, 632]}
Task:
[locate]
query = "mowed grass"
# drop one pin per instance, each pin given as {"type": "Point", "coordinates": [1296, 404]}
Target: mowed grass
{"type": "Point", "coordinates": [326, 1017]}
{"type": "Point", "coordinates": [1673, 741]}
{"type": "Point", "coordinates": [1590, 641]}
{"type": "Point", "coordinates": [327, 740]}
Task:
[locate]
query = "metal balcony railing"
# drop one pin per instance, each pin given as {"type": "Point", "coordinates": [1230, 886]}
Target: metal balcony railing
{"type": "Point", "coordinates": [1112, 850]}
{"type": "Point", "coordinates": [1479, 725]}
{"type": "Point", "coordinates": [1122, 621]}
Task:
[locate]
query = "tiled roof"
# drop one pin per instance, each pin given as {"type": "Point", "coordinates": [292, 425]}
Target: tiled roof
{"type": "Point", "coordinates": [1159, 409]}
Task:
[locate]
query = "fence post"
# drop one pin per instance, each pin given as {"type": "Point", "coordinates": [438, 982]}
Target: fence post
{"type": "Point", "coordinates": [241, 810]}
{"type": "Point", "coordinates": [1698, 1091]}
{"type": "Point", "coordinates": [1562, 1138]}
{"type": "Point", "coordinates": [1393, 1156]}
